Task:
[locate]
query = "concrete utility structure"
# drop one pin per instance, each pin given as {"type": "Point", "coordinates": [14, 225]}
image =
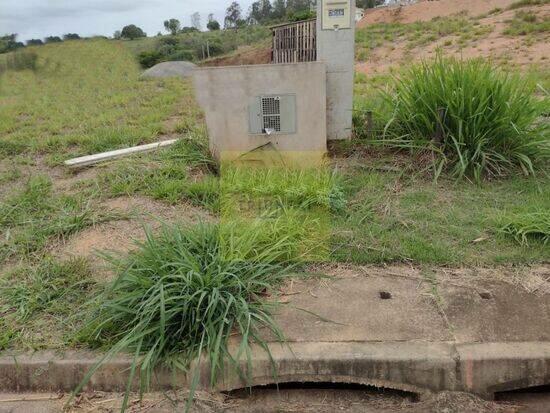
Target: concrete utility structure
{"type": "Point", "coordinates": [288, 109]}
{"type": "Point", "coordinates": [336, 48]}
{"type": "Point", "coordinates": [257, 112]}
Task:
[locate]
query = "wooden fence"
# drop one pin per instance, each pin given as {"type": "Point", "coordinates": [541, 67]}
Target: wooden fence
{"type": "Point", "coordinates": [294, 42]}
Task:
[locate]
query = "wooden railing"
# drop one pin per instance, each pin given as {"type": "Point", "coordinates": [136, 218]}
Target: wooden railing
{"type": "Point", "coordinates": [294, 42]}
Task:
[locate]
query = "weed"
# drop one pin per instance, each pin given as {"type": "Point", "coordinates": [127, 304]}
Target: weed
{"type": "Point", "coordinates": [183, 292]}
{"type": "Point", "coordinates": [525, 23]}
{"type": "Point", "coordinates": [35, 298]}
{"type": "Point", "coordinates": [490, 124]}
{"type": "Point", "coordinates": [526, 3]}
{"type": "Point", "coordinates": [18, 60]}
{"type": "Point", "coordinates": [528, 227]}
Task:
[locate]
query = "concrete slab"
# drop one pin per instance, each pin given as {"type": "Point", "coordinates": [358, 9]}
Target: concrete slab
{"type": "Point", "coordinates": [495, 312]}
{"type": "Point", "coordinates": [487, 368]}
{"type": "Point", "coordinates": [358, 313]}
{"type": "Point", "coordinates": [401, 341]}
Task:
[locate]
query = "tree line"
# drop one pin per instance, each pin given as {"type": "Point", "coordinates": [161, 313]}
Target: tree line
{"type": "Point", "coordinates": [9, 43]}
{"type": "Point", "coordinates": [260, 12]}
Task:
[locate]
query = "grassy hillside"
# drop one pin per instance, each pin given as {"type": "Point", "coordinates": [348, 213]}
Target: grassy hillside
{"type": "Point", "coordinates": [84, 97]}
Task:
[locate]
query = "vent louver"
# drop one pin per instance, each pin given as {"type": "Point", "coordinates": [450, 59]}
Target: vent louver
{"type": "Point", "coordinates": [273, 114]}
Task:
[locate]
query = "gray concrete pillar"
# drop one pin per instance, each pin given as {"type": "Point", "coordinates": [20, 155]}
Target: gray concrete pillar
{"type": "Point", "coordinates": [336, 48]}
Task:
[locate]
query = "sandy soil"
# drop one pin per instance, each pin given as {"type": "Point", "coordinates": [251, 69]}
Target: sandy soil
{"type": "Point", "coordinates": [245, 55]}
{"type": "Point", "coordinates": [427, 10]}
{"type": "Point", "coordinates": [494, 46]}
{"type": "Point", "coordinates": [121, 235]}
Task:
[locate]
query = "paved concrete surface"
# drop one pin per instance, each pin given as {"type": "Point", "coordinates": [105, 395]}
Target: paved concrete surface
{"type": "Point", "coordinates": [412, 332]}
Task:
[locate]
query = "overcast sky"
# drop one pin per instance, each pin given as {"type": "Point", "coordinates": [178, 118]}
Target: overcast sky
{"type": "Point", "coordinates": [40, 18]}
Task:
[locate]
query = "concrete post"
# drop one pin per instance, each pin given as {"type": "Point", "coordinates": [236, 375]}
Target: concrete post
{"type": "Point", "coordinates": [336, 48]}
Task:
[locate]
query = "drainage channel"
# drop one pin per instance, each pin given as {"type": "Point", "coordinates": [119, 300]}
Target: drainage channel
{"type": "Point", "coordinates": [321, 398]}
{"type": "Point", "coordinates": [528, 400]}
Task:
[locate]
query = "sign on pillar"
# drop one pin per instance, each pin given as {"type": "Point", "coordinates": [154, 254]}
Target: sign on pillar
{"type": "Point", "coordinates": [336, 48]}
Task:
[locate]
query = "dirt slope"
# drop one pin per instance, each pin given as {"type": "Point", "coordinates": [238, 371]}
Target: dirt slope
{"type": "Point", "coordinates": [520, 51]}
{"type": "Point", "coordinates": [427, 10]}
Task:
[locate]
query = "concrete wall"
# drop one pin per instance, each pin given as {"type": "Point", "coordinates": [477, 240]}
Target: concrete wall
{"type": "Point", "coordinates": [225, 94]}
{"type": "Point", "coordinates": [337, 50]}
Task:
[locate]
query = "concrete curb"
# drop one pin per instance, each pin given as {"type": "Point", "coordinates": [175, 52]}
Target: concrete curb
{"type": "Point", "coordinates": [420, 367]}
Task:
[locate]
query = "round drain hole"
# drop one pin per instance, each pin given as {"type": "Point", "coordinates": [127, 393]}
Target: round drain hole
{"type": "Point", "coordinates": [385, 295]}
{"type": "Point", "coordinates": [485, 296]}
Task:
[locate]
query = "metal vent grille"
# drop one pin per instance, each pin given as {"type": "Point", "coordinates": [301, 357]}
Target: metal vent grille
{"type": "Point", "coordinates": [271, 114]}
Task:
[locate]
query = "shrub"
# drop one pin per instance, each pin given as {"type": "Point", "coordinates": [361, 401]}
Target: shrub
{"type": "Point", "coordinates": [182, 293]}
{"type": "Point", "coordinates": [19, 60]}
{"type": "Point", "coordinates": [491, 123]}
{"type": "Point", "coordinates": [528, 227]}
{"type": "Point", "coordinates": [525, 3]}
{"type": "Point", "coordinates": [526, 23]}
{"type": "Point", "coordinates": [151, 58]}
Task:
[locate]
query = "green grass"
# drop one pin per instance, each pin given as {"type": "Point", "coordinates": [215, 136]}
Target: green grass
{"type": "Point", "coordinates": [417, 34]}
{"type": "Point", "coordinates": [491, 125]}
{"type": "Point", "coordinates": [182, 172]}
{"type": "Point", "coordinates": [406, 217]}
{"type": "Point", "coordinates": [527, 3]}
{"type": "Point", "coordinates": [183, 292]}
{"type": "Point", "coordinates": [527, 23]}
{"type": "Point", "coordinates": [192, 46]}
{"type": "Point", "coordinates": [35, 217]}
{"type": "Point", "coordinates": [528, 228]}
{"type": "Point", "coordinates": [38, 301]}
{"type": "Point", "coordinates": [82, 98]}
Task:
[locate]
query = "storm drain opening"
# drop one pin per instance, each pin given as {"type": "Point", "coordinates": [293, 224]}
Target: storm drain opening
{"type": "Point", "coordinates": [531, 399]}
{"type": "Point", "coordinates": [319, 397]}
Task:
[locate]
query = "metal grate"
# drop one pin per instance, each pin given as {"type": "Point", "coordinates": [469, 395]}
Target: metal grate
{"type": "Point", "coordinates": [271, 114]}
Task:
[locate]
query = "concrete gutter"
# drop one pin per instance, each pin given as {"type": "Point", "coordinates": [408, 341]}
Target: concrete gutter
{"type": "Point", "coordinates": [412, 342]}
{"type": "Point", "coordinates": [420, 367]}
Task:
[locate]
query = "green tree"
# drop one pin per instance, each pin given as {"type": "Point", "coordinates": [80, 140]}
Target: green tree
{"type": "Point", "coordinates": [233, 16]}
{"type": "Point", "coordinates": [369, 4]}
{"type": "Point", "coordinates": [212, 24]}
{"type": "Point", "coordinates": [196, 20]}
{"type": "Point", "coordinates": [279, 9]}
{"type": "Point", "coordinates": [9, 43]}
{"type": "Point", "coordinates": [173, 26]}
{"type": "Point", "coordinates": [71, 36]}
{"type": "Point", "coordinates": [52, 39]}
{"type": "Point", "coordinates": [117, 35]}
{"type": "Point", "coordinates": [260, 11]}
{"type": "Point", "coordinates": [132, 32]}
{"type": "Point", "coordinates": [35, 42]}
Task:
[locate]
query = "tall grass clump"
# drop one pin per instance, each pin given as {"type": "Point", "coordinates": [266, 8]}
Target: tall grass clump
{"type": "Point", "coordinates": [183, 292]}
{"type": "Point", "coordinates": [491, 123]}
{"type": "Point", "coordinates": [527, 228]}
{"type": "Point", "coordinates": [19, 60]}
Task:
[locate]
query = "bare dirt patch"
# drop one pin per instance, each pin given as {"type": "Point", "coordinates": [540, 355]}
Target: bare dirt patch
{"type": "Point", "coordinates": [121, 235]}
{"type": "Point", "coordinates": [495, 45]}
{"type": "Point", "coordinates": [427, 10]}
{"type": "Point", "coordinates": [245, 55]}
